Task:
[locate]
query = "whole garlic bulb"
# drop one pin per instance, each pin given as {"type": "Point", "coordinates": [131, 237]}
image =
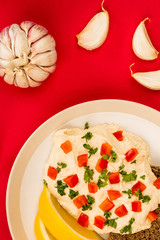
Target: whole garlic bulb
{"type": "Point", "coordinates": [27, 54]}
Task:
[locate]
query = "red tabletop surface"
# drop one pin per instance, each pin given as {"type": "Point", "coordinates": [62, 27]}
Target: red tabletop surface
{"type": "Point", "coordinates": [80, 76]}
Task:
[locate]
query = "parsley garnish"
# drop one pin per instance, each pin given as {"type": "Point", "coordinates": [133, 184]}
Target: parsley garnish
{"type": "Point", "coordinates": [128, 228]}
{"type": "Point", "coordinates": [140, 196]}
{"type": "Point", "coordinates": [113, 156]}
{"type": "Point", "coordinates": [110, 222]}
{"type": "Point", "coordinates": [88, 136]}
{"type": "Point", "coordinates": [105, 157]}
{"type": "Point", "coordinates": [128, 177]}
{"type": "Point", "coordinates": [91, 200]}
{"type": "Point", "coordinates": [61, 165]}
{"type": "Point", "coordinates": [121, 167]}
{"type": "Point", "coordinates": [129, 192]}
{"type": "Point", "coordinates": [143, 177]}
{"type": "Point", "coordinates": [61, 187]}
{"type": "Point", "coordinates": [86, 126]}
{"type": "Point", "coordinates": [134, 161]}
{"type": "Point", "coordinates": [72, 193]}
{"type": "Point", "coordinates": [45, 183]}
{"type": "Point", "coordinates": [88, 174]}
{"type": "Point", "coordinates": [91, 150]}
{"type": "Point", "coordinates": [103, 178]}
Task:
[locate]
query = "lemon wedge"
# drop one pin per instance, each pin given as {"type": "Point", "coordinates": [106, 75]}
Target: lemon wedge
{"type": "Point", "coordinates": [60, 223]}
{"type": "Point", "coordinates": [40, 230]}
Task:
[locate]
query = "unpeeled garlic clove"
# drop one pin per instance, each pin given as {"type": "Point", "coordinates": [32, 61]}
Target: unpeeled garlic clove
{"type": "Point", "coordinates": [5, 53]}
{"type": "Point", "coordinates": [21, 79]}
{"type": "Point", "coordinates": [2, 72]}
{"type": "Point", "coordinates": [141, 43]}
{"type": "Point", "coordinates": [33, 83]}
{"type": "Point", "coordinates": [5, 38]}
{"type": "Point", "coordinates": [45, 59]}
{"type": "Point", "coordinates": [26, 25]}
{"type": "Point", "coordinates": [9, 76]}
{"type": "Point", "coordinates": [35, 33]}
{"type": "Point", "coordinates": [36, 73]}
{"type": "Point", "coordinates": [95, 32]}
{"type": "Point", "coordinates": [49, 69]}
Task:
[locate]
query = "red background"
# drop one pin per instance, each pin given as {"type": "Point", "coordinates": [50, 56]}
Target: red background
{"type": "Point", "coordinates": [80, 75]}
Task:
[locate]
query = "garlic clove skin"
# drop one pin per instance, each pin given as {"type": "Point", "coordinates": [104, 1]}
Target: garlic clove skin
{"type": "Point", "coordinates": [141, 43]}
{"type": "Point", "coordinates": [45, 59]}
{"type": "Point", "coordinates": [35, 33]}
{"type": "Point", "coordinates": [26, 25]}
{"type": "Point", "coordinates": [36, 73]}
{"type": "Point", "coordinates": [21, 79]}
{"type": "Point", "coordinates": [95, 32]}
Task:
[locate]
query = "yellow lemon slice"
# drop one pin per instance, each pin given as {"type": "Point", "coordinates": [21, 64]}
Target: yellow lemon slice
{"type": "Point", "coordinates": [60, 223]}
{"type": "Point", "coordinates": [40, 231]}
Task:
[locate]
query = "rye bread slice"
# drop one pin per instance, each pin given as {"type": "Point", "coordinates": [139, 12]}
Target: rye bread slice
{"type": "Point", "coordinates": [153, 233]}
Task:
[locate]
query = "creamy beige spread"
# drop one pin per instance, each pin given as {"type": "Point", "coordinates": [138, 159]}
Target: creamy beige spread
{"type": "Point", "coordinates": [102, 134]}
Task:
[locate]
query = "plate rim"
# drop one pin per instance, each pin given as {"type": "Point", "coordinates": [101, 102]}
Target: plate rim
{"type": "Point", "coordinates": [112, 105]}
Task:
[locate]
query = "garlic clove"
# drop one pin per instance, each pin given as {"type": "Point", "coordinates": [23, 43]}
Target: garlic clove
{"type": "Point", "coordinates": [49, 69]}
{"type": "Point", "coordinates": [5, 53]}
{"type": "Point", "coordinates": [26, 26]}
{"type": "Point", "coordinates": [36, 32]}
{"type": "Point", "coordinates": [21, 79]}
{"type": "Point", "coordinates": [33, 83]}
{"type": "Point", "coordinates": [45, 59]}
{"type": "Point", "coordinates": [2, 72]}
{"type": "Point", "coordinates": [9, 76]}
{"type": "Point", "coordinates": [5, 38]}
{"type": "Point", "coordinates": [141, 43]}
{"type": "Point", "coordinates": [45, 44]}
{"type": "Point", "coordinates": [36, 73]}
{"type": "Point", "coordinates": [4, 63]}
{"type": "Point", "coordinates": [95, 32]}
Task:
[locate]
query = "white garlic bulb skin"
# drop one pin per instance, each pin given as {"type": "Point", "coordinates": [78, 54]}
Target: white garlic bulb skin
{"type": "Point", "coordinates": [27, 54]}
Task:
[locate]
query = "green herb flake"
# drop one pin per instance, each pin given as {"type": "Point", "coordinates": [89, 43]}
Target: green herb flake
{"type": "Point", "coordinates": [86, 126]}
{"type": "Point", "coordinates": [128, 228]}
{"type": "Point", "coordinates": [73, 194]}
{"type": "Point", "coordinates": [88, 174]}
{"type": "Point", "coordinates": [128, 177]}
{"type": "Point", "coordinates": [103, 178]}
{"type": "Point", "coordinates": [45, 183]}
{"type": "Point", "coordinates": [143, 177]}
{"type": "Point", "coordinates": [61, 187]}
{"type": "Point", "coordinates": [129, 192]}
{"type": "Point", "coordinates": [91, 150]}
{"type": "Point", "coordinates": [113, 156]}
{"type": "Point", "coordinates": [61, 165]}
{"type": "Point", "coordinates": [134, 161]}
{"type": "Point", "coordinates": [88, 206]}
{"type": "Point", "coordinates": [87, 136]}
{"type": "Point", "coordinates": [110, 222]}
{"type": "Point", "coordinates": [105, 157]}
{"type": "Point", "coordinates": [121, 167]}
{"type": "Point", "coordinates": [140, 196]}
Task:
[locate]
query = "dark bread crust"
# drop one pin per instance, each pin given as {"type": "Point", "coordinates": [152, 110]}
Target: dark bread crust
{"type": "Point", "coordinates": [153, 233]}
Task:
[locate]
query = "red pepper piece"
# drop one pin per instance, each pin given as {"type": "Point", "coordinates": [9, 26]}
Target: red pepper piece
{"type": "Point", "coordinates": [66, 146]}
{"type": "Point", "coordinates": [80, 201]}
{"type": "Point", "coordinates": [114, 177]}
{"type": "Point", "coordinates": [131, 154]}
{"type": "Point", "coordinates": [71, 180]}
{"type": "Point", "coordinates": [106, 149]}
{"type": "Point", "coordinates": [83, 220]}
{"type": "Point", "coordinates": [139, 185]}
{"type": "Point", "coordinates": [101, 164]}
{"type": "Point", "coordinates": [106, 205]}
{"type": "Point", "coordinates": [114, 194]}
{"type": "Point", "coordinates": [152, 216]}
{"type": "Point", "coordinates": [118, 135]}
{"type": "Point", "coordinates": [156, 183]}
{"type": "Point", "coordinates": [136, 206]}
{"type": "Point", "coordinates": [99, 222]}
{"type": "Point", "coordinates": [92, 187]}
{"type": "Point", "coordinates": [82, 160]}
{"type": "Point", "coordinates": [121, 211]}
{"type": "Point", "coordinates": [52, 172]}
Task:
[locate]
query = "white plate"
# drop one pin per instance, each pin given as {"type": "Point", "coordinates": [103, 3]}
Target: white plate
{"type": "Point", "coordinates": [26, 178]}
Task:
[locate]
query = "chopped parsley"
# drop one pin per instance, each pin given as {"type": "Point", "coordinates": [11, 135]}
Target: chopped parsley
{"type": "Point", "coordinates": [45, 183]}
{"type": "Point", "coordinates": [134, 161]}
{"type": "Point", "coordinates": [128, 177]}
{"type": "Point", "coordinates": [72, 193]}
{"type": "Point", "coordinates": [113, 156]}
{"type": "Point", "coordinates": [88, 136]}
{"type": "Point", "coordinates": [128, 228]}
{"type": "Point", "coordinates": [91, 150]}
{"type": "Point", "coordinates": [143, 177]}
{"type": "Point", "coordinates": [129, 192]}
{"type": "Point", "coordinates": [86, 126]}
{"type": "Point", "coordinates": [61, 187]}
{"type": "Point", "coordinates": [105, 157]}
{"type": "Point", "coordinates": [121, 167]}
{"type": "Point", "coordinates": [61, 165]}
{"type": "Point", "coordinates": [88, 206]}
{"type": "Point", "coordinates": [88, 174]}
{"type": "Point", "coordinates": [110, 222]}
{"type": "Point", "coordinates": [140, 196]}
{"type": "Point", "coordinates": [103, 178]}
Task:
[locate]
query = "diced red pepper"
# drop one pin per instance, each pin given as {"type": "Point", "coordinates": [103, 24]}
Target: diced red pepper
{"type": "Point", "coordinates": [156, 183]}
{"type": "Point", "coordinates": [131, 154]}
{"type": "Point", "coordinates": [118, 135]}
{"type": "Point", "coordinates": [106, 205]}
{"type": "Point", "coordinates": [66, 146]}
{"type": "Point", "coordinates": [136, 206]}
{"type": "Point", "coordinates": [92, 187]}
{"type": "Point", "coordinates": [80, 201]}
{"type": "Point", "coordinates": [114, 194]}
{"type": "Point", "coordinates": [71, 180]}
{"type": "Point", "coordinates": [82, 160]}
{"type": "Point", "coordinates": [139, 185]}
{"type": "Point", "coordinates": [152, 216]}
{"type": "Point", "coordinates": [52, 172]}
{"type": "Point", "coordinates": [114, 177]}
{"type": "Point", "coordinates": [83, 220]}
{"type": "Point", "coordinates": [106, 149]}
{"type": "Point", "coordinates": [121, 211]}
{"type": "Point", "coordinates": [99, 222]}
{"type": "Point", "coordinates": [101, 164]}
